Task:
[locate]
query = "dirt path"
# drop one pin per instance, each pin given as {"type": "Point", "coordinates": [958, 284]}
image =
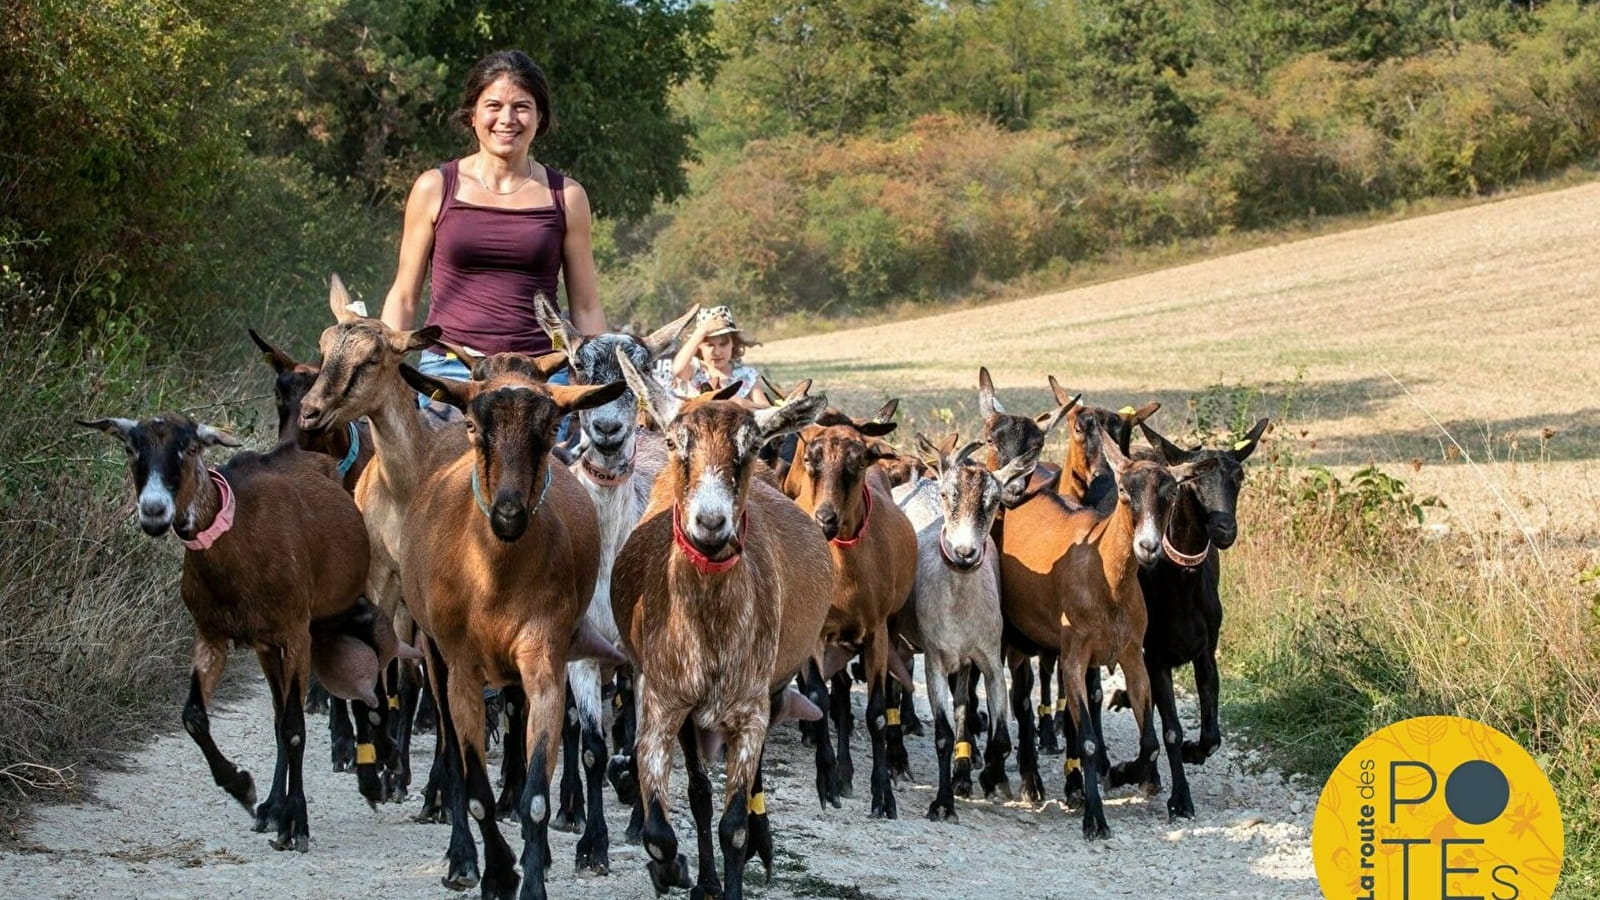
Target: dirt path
{"type": "Point", "coordinates": [162, 829]}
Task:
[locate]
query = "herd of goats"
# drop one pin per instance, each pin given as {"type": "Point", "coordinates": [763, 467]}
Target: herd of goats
{"type": "Point", "coordinates": [704, 568]}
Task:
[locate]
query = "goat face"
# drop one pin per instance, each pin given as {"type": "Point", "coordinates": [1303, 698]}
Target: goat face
{"type": "Point", "coordinates": [1016, 442]}
{"type": "Point", "coordinates": [1149, 490]}
{"type": "Point", "coordinates": [167, 457]}
{"type": "Point", "coordinates": [291, 383]}
{"type": "Point", "coordinates": [609, 430]}
{"type": "Point", "coordinates": [511, 425]}
{"type": "Point", "coordinates": [832, 465]}
{"type": "Point", "coordinates": [1220, 476]}
{"type": "Point", "coordinates": [714, 446]}
{"type": "Point", "coordinates": [969, 496]}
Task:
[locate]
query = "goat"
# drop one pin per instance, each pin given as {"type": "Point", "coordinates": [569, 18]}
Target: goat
{"type": "Point", "coordinates": [834, 478]}
{"type": "Point", "coordinates": [954, 613]}
{"type": "Point", "coordinates": [617, 464]}
{"type": "Point", "coordinates": [275, 560]}
{"type": "Point", "coordinates": [1069, 582]}
{"type": "Point", "coordinates": [352, 446]}
{"type": "Point", "coordinates": [720, 593]}
{"type": "Point", "coordinates": [501, 554]}
{"type": "Point", "coordinates": [359, 376]}
{"type": "Point", "coordinates": [1184, 605]}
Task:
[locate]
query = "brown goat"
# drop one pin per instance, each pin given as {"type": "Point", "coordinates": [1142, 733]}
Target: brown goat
{"type": "Point", "coordinates": [720, 594]}
{"type": "Point", "coordinates": [350, 445]}
{"type": "Point", "coordinates": [835, 478]}
{"type": "Point", "coordinates": [501, 553]}
{"type": "Point", "coordinates": [276, 560]}
{"type": "Point", "coordinates": [1069, 583]}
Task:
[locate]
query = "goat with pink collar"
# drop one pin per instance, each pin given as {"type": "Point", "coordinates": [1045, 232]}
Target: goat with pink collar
{"type": "Point", "coordinates": [276, 560]}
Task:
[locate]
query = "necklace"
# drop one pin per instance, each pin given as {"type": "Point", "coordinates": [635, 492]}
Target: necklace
{"type": "Point", "coordinates": [478, 177]}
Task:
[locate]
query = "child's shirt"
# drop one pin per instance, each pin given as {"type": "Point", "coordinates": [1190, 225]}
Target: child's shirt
{"type": "Point", "coordinates": [700, 381]}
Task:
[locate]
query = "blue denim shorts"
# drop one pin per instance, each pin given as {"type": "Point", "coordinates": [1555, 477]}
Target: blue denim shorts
{"type": "Point", "coordinates": [439, 366]}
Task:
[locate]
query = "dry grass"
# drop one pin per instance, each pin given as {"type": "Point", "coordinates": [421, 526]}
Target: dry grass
{"type": "Point", "coordinates": [1454, 351]}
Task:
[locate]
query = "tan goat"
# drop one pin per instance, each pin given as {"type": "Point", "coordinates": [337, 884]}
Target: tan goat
{"type": "Point", "coordinates": [720, 594]}
{"type": "Point", "coordinates": [834, 478]}
{"type": "Point", "coordinates": [501, 552]}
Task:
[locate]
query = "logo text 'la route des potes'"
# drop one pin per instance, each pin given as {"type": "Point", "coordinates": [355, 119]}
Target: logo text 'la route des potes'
{"type": "Point", "coordinates": [1437, 808]}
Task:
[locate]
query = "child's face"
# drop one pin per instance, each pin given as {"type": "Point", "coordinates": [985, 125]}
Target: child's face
{"type": "Point", "coordinates": [717, 351]}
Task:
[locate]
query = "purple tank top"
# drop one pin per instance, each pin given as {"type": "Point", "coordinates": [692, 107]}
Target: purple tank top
{"type": "Point", "coordinates": [488, 264]}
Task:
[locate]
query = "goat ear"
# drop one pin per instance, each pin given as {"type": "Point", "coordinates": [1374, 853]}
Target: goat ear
{"type": "Point", "coordinates": [344, 309]}
{"type": "Point", "coordinates": [1145, 412]}
{"type": "Point", "coordinates": [1244, 448]}
{"type": "Point", "coordinates": [211, 437]}
{"type": "Point", "coordinates": [797, 411]}
{"type": "Point", "coordinates": [775, 391]}
{"type": "Point", "coordinates": [549, 364]}
{"type": "Point", "coordinates": [117, 428]}
{"type": "Point", "coordinates": [662, 341]}
{"type": "Point", "coordinates": [1171, 453]}
{"type": "Point", "coordinates": [445, 390]}
{"type": "Point", "coordinates": [574, 399]}
{"type": "Point", "coordinates": [279, 361]}
{"type": "Point", "coordinates": [886, 412]}
{"type": "Point", "coordinates": [563, 334]}
{"type": "Point", "coordinates": [948, 443]}
{"type": "Point", "coordinates": [1189, 471]}
{"type": "Point", "coordinates": [877, 450]}
{"type": "Point", "coordinates": [1114, 457]}
{"type": "Point", "coordinates": [421, 339]}
{"type": "Point", "coordinates": [932, 456]}
{"type": "Point", "coordinates": [988, 404]}
{"type": "Point", "coordinates": [728, 391]}
{"type": "Point", "coordinates": [1050, 419]}
{"type": "Point", "coordinates": [968, 450]}
{"type": "Point", "coordinates": [649, 394]}
{"type": "Point", "coordinates": [875, 429]}
{"type": "Point", "coordinates": [799, 391]}
{"type": "Point", "coordinates": [468, 356]}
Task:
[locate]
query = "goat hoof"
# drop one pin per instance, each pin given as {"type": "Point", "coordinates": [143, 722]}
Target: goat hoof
{"type": "Point", "coordinates": [938, 811]}
{"type": "Point", "coordinates": [1096, 831]}
{"type": "Point", "coordinates": [1032, 789]}
{"type": "Point", "coordinates": [495, 887]}
{"type": "Point", "coordinates": [465, 881]}
{"type": "Point", "coordinates": [706, 892]}
{"type": "Point", "coordinates": [1180, 807]}
{"type": "Point", "coordinates": [298, 843]}
{"type": "Point", "coordinates": [914, 726]}
{"type": "Point", "coordinates": [567, 821]}
{"type": "Point", "coordinates": [665, 877]}
{"type": "Point", "coordinates": [624, 781]}
{"type": "Point", "coordinates": [963, 789]}
{"type": "Point", "coordinates": [1195, 753]}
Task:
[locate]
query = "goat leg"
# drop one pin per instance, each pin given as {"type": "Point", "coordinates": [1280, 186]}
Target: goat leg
{"type": "Point", "coordinates": [209, 659]}
{"type": "Point", "coordinates": [466, 715]}
{"type": "Point", "coordinates": [908, 699]}
{"type": "Point", "coordinates": [1085, 744]}
{"type": "Point", "coordinates": [883, 804]}
{"type": "Point", "coordinates": [370, 726]}
{"type": "Point", "coordinates": [619, 771]}
{"type": "Point", "coordinates": [1047, 724]}
{"type": "Point", "coordinates": [745, 742]}
{"type": "Point", "coordinates": [945, 712]}
{"type": "Point", "coordinates": [287, 670]}
{"type": "Point", "coordinates": [964, 723]}
{"type": "Point", "coordinates": [667, 867]}
{"type": "Point", "coordinates": [894, 733]}
{"type": "Point", "coordinates": [707, 884]}
{"type": "Point", "coordinates": [993, 777]}
{"type": "Point", "coordinates": [1180, 805]}
{"type": "Point", "coordinates": [827, 764]}
{"type": "Point", "coordinates": [269, 816]}
{"type": "Point", "coordinates": [1207, 686]}
{"type": "Point", "coordinates": [760, 825]}
{"type": "Point", "coordinates": [843, 723]}
{"type": "Point", "coordinates": [543, 685]}
{"type": "Point", "coordinates": [513, 752]}
{"type": "Point", "coordinates": [1092, 685]}
{"type": "Point", "coordinates": [593, 852]}
{"type": "Point", "coordinates": [570, 815]}
{"type": "Point", "coordinates": [1032, 789]}
{"type": "Point", "coordinates": [317, 699]}
{"type": "Point", "coordinates": [341, 735]}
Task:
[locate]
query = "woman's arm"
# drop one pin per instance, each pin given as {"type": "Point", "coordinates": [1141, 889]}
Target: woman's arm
{"type": "Point", "coordinates": [577, 260]}
{"type": "Point", "coordinates": [416, 244]}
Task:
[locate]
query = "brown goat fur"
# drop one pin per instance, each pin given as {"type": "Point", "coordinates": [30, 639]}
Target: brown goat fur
{"type": "Point", "coordinates": [834, 476]}
{"type": "Point", "coordinates": [720, 594]}
{"type": "Point", "coordinates": [293, 562]}
{"type": "Point", "coordinates": [293, 379]}
{"type": "Point", "coordinates": [501, 554]}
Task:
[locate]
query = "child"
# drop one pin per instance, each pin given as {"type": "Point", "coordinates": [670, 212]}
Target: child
{"type": "Point", "coordinates": [713, 356]}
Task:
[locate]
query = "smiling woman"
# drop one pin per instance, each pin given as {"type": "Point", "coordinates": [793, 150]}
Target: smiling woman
{"type": "Point", "coordinates": [497, 228]}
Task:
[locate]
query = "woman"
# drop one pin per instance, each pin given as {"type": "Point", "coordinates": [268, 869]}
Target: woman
{"type": "Point", "coordinates": [496, 227]}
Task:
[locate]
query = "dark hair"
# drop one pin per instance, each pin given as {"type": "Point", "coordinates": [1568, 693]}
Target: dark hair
{"type": "Point", "coordinates": [524, 72]}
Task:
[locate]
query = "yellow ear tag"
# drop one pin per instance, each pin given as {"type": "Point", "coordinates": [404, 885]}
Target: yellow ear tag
{"type": "Point", "coordinates": [1240, 445]}
{"type": "Point", "coordinates": [450, 354]}
{"type": "Point", "coordinates": [963, 750]}
{"type": "Point", "coordinates": [891, 716]}
{"type": "Point", "coordinates": [1126, 411]}
{"type": "Point", "coordinates": [366, 754]}
{"type": "Point", "coordinates": [758, 804]}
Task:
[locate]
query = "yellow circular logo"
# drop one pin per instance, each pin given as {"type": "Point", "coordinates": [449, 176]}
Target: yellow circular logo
{"type": "Point", "coordinates": [1437, 808]}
